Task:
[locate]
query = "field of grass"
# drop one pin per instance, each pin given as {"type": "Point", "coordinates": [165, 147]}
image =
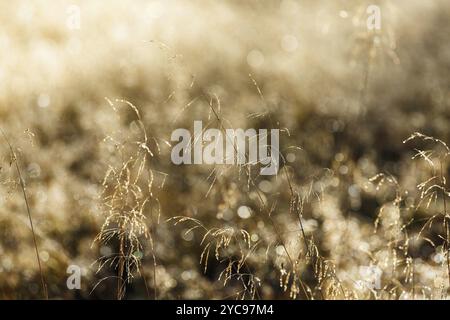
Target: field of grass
{"type": "Point", "coordinates": [91, 92]}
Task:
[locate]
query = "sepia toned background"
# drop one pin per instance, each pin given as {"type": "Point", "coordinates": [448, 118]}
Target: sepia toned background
{"type": "Point", "coordinates": [91, 91]}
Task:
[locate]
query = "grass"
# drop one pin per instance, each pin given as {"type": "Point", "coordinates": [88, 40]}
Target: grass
{"type": "Point", "coordinates": [353, 213]}
{"type": "Point", "coordinates": [15, 162]}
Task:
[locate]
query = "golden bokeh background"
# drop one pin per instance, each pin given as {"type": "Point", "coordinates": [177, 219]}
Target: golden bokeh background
{"type": "Point", "coordinates": [345, 97]}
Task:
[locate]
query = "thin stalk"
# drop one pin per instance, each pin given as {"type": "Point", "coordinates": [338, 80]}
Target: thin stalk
{"type": "Point", "coordinates": [120, 280]}
{"type": "Point", "coordinates": [155, 289]}
{"type": "Point", "coordinates": [25, 197]}
{"type": "Point", "coordinates": [446, 226]}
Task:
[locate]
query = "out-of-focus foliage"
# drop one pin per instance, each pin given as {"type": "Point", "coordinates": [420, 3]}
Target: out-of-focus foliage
{"type": "Point", "coordinates": [354, 213]}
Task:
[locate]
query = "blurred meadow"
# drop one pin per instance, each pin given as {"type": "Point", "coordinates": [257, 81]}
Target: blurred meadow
{"type": "Point", "coordinates": [92, 90]}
